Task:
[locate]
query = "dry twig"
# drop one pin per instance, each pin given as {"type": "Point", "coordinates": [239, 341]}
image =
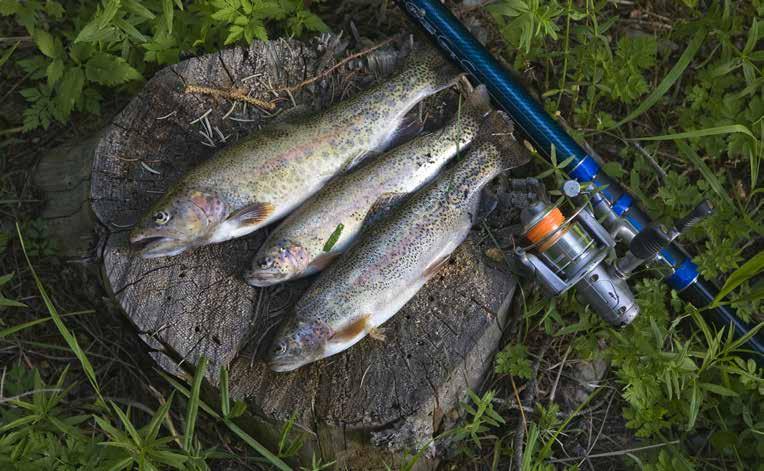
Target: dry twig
{"type": "Point", "coordinates": [336, 66]}
{"type": "Point", "coordinates": [232, 94]}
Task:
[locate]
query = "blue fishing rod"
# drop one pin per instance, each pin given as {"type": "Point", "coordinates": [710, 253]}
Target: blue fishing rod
{"type": "Point", "coordinates": [572, 252]}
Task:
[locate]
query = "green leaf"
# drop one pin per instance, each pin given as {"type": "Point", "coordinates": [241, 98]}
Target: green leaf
{"type": "Point", "coordinates": [159, 417]}
{"type": "Point", "coordinates": [694, 406]}
{"type": "Point", "coordinates": [167, 9]}
{"type": "Point", "coordinates": [254, 444]}
{"type": "Point", "coordinates": [127, 424]}
{"type": "Point", "coordinates": [748, 270]}
{"type": "Point", "coordinates": [7, 54]}
{"type": "Point", "coordinates": [753, 37]}
{"type": "Point", "coordinates": [69, 90]}
{"type": "Point", "coordinates": [55, 70]}
{"type": "Point", "coordinates": [684, 60]}
{"type": "Point", "coordinates": [130, 30]}
{"type": "Point", "coordinates": [70, 339]}
{"type": "Point", "coordinates": [193, 404]}
{"type": "Point", "coordinates": [703, 168]}
{"type": "Point", "coordinates": [334, 237]}
{"type": "Point", "coordinates": [45, 43]}
{"type": "Point", "coordinates": [5, 302]}
{"type": "Point", "coordinates": [134, 6]}
{"type": "Point", "coordinates": [107, 69]}
{"type": "Point", "coordinates": [728, 129]}
{"type": "Point", "coordinates": [717, 389]}
{"type": "Point", "coordinates": [225, 398]}
{"type": "Point", "coordinates": [110, 9]}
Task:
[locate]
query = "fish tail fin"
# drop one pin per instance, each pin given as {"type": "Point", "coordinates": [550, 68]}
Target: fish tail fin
{"type": "Point", "coordinates": [497, 138]}
{"type": "Point", "coordinates": [477, 100]}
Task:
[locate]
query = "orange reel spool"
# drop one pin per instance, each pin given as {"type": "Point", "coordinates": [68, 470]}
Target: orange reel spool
{"type": "Point", "coordinates": [549, 224]}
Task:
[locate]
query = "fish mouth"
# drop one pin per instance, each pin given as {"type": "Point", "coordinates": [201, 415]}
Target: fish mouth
{"type": "Point", "coordinates": [265, 278]}
{"type": "Point", "coordinates": [154, 246]}
{"type": "Point", "coordinates": [283, 365]}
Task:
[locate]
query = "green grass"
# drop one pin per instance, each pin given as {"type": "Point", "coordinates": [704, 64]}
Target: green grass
{"type": "Point", "coordinates": [30, 432]}
{"type": "Point", "coordinates": [682, 81]}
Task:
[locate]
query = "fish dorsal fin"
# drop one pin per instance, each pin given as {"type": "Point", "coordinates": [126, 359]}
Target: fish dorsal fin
{"type": "Point", "coordinates": [351, 330]}
{"type": "Point", "coordinates": [295, 115]}
{"type": "Point", "coordinates": [252, 214]}
{"type": "Point", "coordinates": [435, 266]}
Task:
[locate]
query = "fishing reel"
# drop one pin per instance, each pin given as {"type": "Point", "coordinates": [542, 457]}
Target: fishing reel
{"type": "Point", "coordinates": [579, 251]}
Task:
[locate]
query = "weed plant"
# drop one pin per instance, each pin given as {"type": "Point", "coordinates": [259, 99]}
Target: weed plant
{"type": "Point", "coordinates": [669, 94]}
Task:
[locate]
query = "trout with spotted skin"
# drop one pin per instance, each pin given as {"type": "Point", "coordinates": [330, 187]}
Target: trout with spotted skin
{"type": "Point", "coordinates": [296, 247]}
{"type": "Point", "coordinates": [264, 177]}
{"type": "Point", "coordinates": [395, 257]}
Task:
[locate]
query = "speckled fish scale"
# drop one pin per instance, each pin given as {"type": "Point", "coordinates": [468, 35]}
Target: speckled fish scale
{"type": "Point", "coordinates": [395, 257]}
{"type": "Point", "coordinates": [296, 247]}
{"type": "Point", "coordinates": [264, 177]}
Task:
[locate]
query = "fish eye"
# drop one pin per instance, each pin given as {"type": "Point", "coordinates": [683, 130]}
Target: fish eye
{"type": "Point", "coordinates": [282, 249]}
{"type": "Point", "coordinates": [161, 217]}
{"type": "Point", "coordinates": [279, 349]}
{"type": "Point", "coordinates": [266, 262]}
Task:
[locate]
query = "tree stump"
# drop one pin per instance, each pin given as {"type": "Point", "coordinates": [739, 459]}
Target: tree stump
{"type": "Point", "coordinates": [360, 407]}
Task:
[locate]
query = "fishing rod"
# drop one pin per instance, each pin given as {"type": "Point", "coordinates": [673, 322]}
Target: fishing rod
{"type": "Point", "coordinates": [567, 252]}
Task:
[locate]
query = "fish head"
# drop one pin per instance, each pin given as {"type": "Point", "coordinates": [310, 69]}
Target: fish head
{"type": "Point", "coordinates": [275, 263]}
{"type": "Point", "coordinates": [298, 343]}
{"type": "Point", "coordinates": [179, 221]}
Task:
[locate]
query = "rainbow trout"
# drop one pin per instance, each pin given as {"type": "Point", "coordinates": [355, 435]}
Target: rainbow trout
{"type": "Point", "coordinates": [395, 257]}
{"type": "Point", "coordinates": [296, 247]}
{"type": "Point", "coordinates": [262, 178]}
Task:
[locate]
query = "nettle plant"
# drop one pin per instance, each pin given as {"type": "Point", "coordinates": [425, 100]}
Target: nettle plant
{"type": "Point", "coordinates": [82, 49]}
{"type": "Point", "coordinates": [693, 92]}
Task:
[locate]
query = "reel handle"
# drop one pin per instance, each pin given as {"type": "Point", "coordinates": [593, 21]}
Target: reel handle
{"type": "Point", "coordinates": [655, 237]}
{"type": "Point", "coordinates": [701, 211]}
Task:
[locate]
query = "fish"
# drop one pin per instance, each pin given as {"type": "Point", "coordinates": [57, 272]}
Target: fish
{"type": "Point", "coordinates": [262, 178]}
{"type": "Point", "coordinates": [395, 257]}
{"type": "Point", "coordinates": [300, 245]}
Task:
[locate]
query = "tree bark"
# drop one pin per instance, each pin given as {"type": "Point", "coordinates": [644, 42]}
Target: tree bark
{"type": "Point", "coordinates": [361, 407]}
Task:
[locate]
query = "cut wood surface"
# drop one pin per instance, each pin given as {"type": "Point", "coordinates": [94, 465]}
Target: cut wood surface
{"type": "Point", "coordinates": [393, 393]}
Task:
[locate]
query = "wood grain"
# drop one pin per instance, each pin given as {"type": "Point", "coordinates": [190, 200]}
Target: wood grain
{"type": "Point", "coordinates": [391, 394]}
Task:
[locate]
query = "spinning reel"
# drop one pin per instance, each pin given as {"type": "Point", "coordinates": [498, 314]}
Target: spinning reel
{"type": "Point", "coordinates": [579, 251]}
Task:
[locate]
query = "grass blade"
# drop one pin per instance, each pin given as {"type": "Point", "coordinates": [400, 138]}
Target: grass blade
{"type": "Point", "coordinates": [728, 129]}
{"type": "Point", "coordinates": [193, 404]}
{"type": "Point", "coordinates": [225, 397]}
{"type": "Point", "coordinates": [684, 60]}
{"type": "Point", "coordinates": [17, 328]}
{"type": "Point", "coordinates": [334, 237]}
{"type": "Point", "coordinates": [746, 271]}
{"type": "Point", "coordinates": [690, 154]}
{"type": "Point", "coordinates": [254, 444]}
{"type": "Point", "coordinates": [70, 339]}
{"type": "Point", "coordinates": [8, 53]}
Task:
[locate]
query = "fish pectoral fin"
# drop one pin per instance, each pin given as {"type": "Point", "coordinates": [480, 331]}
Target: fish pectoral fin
{"type": "Point", "coordinates": [351, 330]}
{"type": "Point", "coordinates": [322, 261]}
{"type": "Point", "coordinates": [252, 214]}
{"type": "Point", "coordinates": [382, 207]}
{"type": "Point", "coordinates": [377, 333]}
{"type": "Point", "coordinates": [360, 157]}
{"type": "Point", "coordinates": [435, 266]}
{"type": "Point", "coordinates": [410, 127]}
